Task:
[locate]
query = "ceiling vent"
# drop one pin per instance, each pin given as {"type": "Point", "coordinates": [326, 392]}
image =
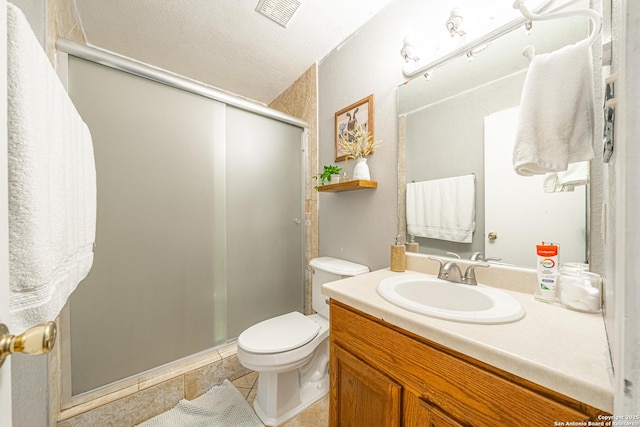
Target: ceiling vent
{"type": "Point", "coordinates": [279, 11]}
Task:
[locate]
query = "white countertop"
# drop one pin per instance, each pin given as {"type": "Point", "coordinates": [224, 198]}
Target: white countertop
{"type": "Point", "coordinates": [560, 349]}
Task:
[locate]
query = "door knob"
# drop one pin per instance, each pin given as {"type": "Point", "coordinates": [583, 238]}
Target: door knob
{"type": "Point", "coordinates": [492, 235]}
{"type": "Point", "coordinates": [34, 341]}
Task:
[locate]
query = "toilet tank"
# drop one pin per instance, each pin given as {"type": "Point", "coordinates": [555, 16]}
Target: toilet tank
{"type": "Point", "coordinates": [328, 269]}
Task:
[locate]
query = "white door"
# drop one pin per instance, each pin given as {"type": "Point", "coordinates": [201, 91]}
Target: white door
{"type": "Point", "coordinates": [518, 210]}
{"type": "Point", "coordinates": [5, 370]}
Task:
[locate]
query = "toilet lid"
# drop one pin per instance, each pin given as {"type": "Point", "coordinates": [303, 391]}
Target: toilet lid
{"type": "Point", "coordinates": [279, 334]}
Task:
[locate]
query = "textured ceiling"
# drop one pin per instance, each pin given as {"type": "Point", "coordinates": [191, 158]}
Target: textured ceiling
{"type": "Point", "coordinates": [224, 43]}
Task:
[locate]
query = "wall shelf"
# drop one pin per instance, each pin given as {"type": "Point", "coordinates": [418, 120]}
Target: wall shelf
{"type": "Point", "coordinates": [356, 184]}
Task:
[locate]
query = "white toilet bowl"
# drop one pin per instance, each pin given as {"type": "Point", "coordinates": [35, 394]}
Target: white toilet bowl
{"type": "Point", "coordinates": [289, 380]}
{"type": "Point", "coordinates": [291, 352]}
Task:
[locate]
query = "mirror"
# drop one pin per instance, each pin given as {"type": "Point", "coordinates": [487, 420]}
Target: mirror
{"type": "Point", "coordinates": [449, 125]}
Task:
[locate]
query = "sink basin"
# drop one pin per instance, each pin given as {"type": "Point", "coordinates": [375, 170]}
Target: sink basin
{"type": "Point", "coordinates": [428, 295]}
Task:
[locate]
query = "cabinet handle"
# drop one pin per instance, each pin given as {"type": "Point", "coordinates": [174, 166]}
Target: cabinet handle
{"type": "Point", "coordinates": [34, 341]}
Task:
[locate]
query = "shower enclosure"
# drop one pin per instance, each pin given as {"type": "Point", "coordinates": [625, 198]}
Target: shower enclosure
{"type": "Point", "coordinates": [199, 226]}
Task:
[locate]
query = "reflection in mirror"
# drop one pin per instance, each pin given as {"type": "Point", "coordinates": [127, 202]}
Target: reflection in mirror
{"type": "Point", "coordinates": [460, 122]}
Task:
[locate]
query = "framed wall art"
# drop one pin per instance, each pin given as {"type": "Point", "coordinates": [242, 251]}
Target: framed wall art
{"type": "Point", "coordinates": [360, 114]}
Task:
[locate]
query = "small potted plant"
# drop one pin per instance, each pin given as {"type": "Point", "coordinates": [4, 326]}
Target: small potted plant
{"type": "Point", "coordinates": [329, 174]}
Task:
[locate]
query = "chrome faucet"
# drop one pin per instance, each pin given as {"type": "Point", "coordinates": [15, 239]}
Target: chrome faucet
{"type": "Point", "coordinates": [451, 272]}
{"type": "Point", "coordinates": [470, 274]}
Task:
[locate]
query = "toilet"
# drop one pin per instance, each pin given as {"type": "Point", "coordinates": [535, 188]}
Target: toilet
{"type": "Point", "coordinates": [291, 352]}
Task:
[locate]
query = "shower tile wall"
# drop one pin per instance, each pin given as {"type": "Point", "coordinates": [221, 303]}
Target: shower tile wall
{"type": "Point", "coordinates": [132, 409]}
{"type": "Point", "coordinates": [402, 176]}
{"type": "Point", "coordinates": [64, 22]}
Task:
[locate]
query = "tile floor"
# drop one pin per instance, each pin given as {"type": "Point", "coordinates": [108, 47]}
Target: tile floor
{"type": "Point", "coordinates": [317, 415]}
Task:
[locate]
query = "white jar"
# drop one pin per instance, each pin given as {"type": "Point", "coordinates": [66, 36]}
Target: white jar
{"type": "Point", "coordinates": [580, 290]}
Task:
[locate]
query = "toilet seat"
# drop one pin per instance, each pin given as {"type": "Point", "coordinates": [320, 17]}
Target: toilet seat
{"type": "Point", "coordinates": [279, 334]}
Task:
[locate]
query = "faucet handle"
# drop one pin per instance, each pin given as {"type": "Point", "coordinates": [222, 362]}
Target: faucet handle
{"type": "Point", "coordinates": [470, 273]}
{"type": "Point", "coordinates": [440, 261]}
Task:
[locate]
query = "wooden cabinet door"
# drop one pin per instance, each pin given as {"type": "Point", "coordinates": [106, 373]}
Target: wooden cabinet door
{"type": "Point", "coordinates": [420, 413]}
{"type": "Point", "coordinates": [360, 395]}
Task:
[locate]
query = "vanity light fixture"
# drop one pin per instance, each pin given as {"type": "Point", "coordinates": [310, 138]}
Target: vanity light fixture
{"type": "Point", "coordinates": [528, 27]}
{"type": "Point", "coordinates": [454, 23]}
{"type": "Point", "coordinates": [408, 51]}
{"type": "Point", "coordinates": [472, 52]}
{"type": "Point", "coordinates": [416, 68]}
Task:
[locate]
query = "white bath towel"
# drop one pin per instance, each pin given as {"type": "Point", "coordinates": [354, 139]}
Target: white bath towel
{"type": "Point", "coordinates": [556, 120]}
{"type": "Point", "coordinates": [442, 209]}
{"type": "Point", "coordinates": [575, 175]}
{"type": "Point", "coordinates": [52, 183]}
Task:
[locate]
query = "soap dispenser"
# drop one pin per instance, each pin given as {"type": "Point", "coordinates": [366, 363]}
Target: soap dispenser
{"type": "Point", "coordinates": [413, 246]}
{"type": "Point", "coordinates": [398, 256]}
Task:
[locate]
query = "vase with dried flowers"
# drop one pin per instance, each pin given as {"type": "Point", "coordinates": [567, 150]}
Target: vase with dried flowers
{"type": "Point", "coordinates": [357, 144]}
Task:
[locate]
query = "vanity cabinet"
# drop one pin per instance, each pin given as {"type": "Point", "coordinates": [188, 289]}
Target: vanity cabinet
{"type": "Point", "coordinates": [384, 376]}
{"type": "Point", "coordinates": [364, 395]}
{"type": "Point", "coordinates": [420, 413]}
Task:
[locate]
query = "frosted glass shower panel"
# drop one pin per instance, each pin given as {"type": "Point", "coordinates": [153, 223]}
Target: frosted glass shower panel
{"type": "Point", "coordinates": [149, 299]}
{"type": "Point", "coordinates": [265, 219]}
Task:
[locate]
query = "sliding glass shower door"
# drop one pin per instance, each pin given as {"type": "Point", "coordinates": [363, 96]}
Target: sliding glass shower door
{"type": "Point", "coordinates": [198, 227]}
{"type": "Point", "coordinates": [265, 219]}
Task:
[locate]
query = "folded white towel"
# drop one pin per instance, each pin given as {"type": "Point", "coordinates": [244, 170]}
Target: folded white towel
{"type": "Point", "coordinates": [442, 209]}
{"type": "Point", "coordinates": [52, 183]}
{"type": "Point", "coordinates": [575, 175]}
{"type": "Point", "coordinates": [556, 121]}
